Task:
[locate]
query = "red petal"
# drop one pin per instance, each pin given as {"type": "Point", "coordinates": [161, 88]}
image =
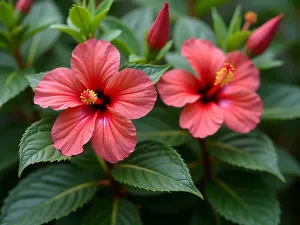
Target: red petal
{"type": "Point", "coordinates": [72, 129]}
{"type": "Point", "coordinates": [201, 119]}
{"type": "Point", "coordinates": [114, 137]}
{"type": "Point", "coordinates": [59, 89]}
{"type": "Point", "coordinates": [131, 93]}
{"type": "Point", "coordinates": [245, 73]}
{"type": "Point", "coordinates": [205, 59]}
{"type": "Point", "coordinates": [95, 63]}
{"type": "Point", "coordinates": [178, 87]}
{"type": "Point", "coordinates": [242, 109]}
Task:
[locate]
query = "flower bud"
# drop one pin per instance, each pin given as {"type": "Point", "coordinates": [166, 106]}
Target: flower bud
{"type": "Point", "coordinates": [261, 38]}
{"type": "Point", "coordinates": [24, 6]}
{"type": "Point", "coordinates": [158, 34]}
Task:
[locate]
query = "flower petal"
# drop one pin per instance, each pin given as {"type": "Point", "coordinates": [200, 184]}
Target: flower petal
{"type": "Point", "coordinates": [59, 89]}
{"type": "Point", "coordinates": [245, 73]}
{"type": "Point", "coordinates": [72, 129]}
{"type": "Point", "coordinates": [178, 87]}
{"type": "Point", "coordinates": [95, 62]}
{"type": "Point", "coordinates": [242, 108]}
{"type": "Point", "coordinates": [114, 137]}
{"type": "Point", "coordinates": [201, 119]}
{"type": "Point", "coordinates": [205, 59]}
{"type": "Point", "coordinates": [131, 93]}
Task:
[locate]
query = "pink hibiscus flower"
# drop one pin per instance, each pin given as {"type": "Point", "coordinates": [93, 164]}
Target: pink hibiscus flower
{"type": "Point", "coordinates": [224, 90]}
{"type": "Point", "coordinates": [99, 102]}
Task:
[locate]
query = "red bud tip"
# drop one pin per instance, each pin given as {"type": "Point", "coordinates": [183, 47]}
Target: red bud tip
{"type": "Point", "coordinates": [24, 5]}
{"type": "Point", "coordinates": [261, 38]}
{"type": "Point", "coordinates": [158, 34]}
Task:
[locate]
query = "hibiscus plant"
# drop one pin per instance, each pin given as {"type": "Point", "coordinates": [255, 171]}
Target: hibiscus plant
{"type": "Point", "coordinates": [140, 112]}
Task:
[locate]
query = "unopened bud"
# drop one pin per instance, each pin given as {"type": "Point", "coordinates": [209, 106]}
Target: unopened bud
{"type": "Point", "coordinates": [24, 6]}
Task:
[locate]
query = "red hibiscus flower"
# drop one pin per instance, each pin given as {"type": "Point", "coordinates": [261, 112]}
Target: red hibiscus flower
{"type": "Point", "coordinates": [224, 90]}
{"type": "Point", "coordinates": [99, 102]}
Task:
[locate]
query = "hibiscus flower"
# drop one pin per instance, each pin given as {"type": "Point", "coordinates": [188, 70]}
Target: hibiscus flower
{"type": "Point", "coordinates": [223, 91]}
{"type": "Point", "coordinates": [98, 102]}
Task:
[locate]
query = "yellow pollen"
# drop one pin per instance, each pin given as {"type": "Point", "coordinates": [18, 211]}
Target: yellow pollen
{"type": "Point", "coordinates": [88, 97]}
{"type": "Point", "coordinates": [251, 17]}
{"type": "Point", "coordinates": [225, 75]}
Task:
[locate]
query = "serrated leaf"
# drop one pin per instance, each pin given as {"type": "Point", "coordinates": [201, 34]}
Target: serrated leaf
{"type": "Point", "coordinates": [111, 211]}
{"type": "Point", "coordinates": [69, 30]}
{"type": "Point", "coordinates": [237, 40]}
{"type": "Point", "coordinates": [127, 36]}
{"type": "Point", "coordinates": [37, 146]}
{"type": "Point", "coordinates": [11, 84]}
{"type": "Point", "coordinates": [81, 18]}
{"type": "Point", "coordinates": [253, 151]}
{"type": "Point", "coordinates": [95, 23]}
{"type": "Point", "coordinates": [35, 79]}
{"type": "Point", "coordinates": [154, 72]}
{"type": "Point", "coordinates": [178, 61]}
{"type": "Point", "coordinates": [220, 28]}
{"type": "Point", "coordinates": [243, 199]}
{"type": "Point", "coordinates": [187, 27]}
{"type": "Point", "coordinates": [156, 167]}
{"type": "Point", "coordinates": [47, 194]}
{"type": "Point", "coordinates": [281, 101]}
{"type": "Point", "coordinates": [287, 164]}
{"type": "Point", "coordinates": [105, 4]}
{"type": "Point", "coordinates": [266, 61]}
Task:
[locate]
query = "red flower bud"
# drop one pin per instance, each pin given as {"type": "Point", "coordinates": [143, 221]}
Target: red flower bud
{"type": "Point", "coordinates": [260, 39]}
{"type": "Point", "coordinates": [24, 6]}
{"type": "Point", "coordinates": [158, 34]}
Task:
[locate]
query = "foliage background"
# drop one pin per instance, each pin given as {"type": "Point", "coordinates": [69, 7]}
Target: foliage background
{"type": "Point", "coordinates": [16, 115]}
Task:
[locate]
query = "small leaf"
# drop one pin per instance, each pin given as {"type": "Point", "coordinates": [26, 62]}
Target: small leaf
{"type": "Point", "coordinates": [109, 211]}
{"type": "Point", "coordinates": [35, 79]}
{"type": "Point", "coordinates": [287, 164]}
{"type": "Point", "coordinates": [37, 146]}
{"type": "Point", "coordinates": [110, 35]}
{"type": "Point", "coordinates": [243, 199]}
{"type": "Point", "coordinates": [237, 40]}
{"type": "Point", "coordinates": [235, 24]}
{"type": "Point", "coordinates": [154, 72]}
{"type": "Point", "coordinates": [187, 27]}
{"type": "Point", "coordinates": [253, 151]}
{"type": "Point", "coordinates": [7, 14]}
{"type": "Point", "coordinates": [266, 61]}
{"type": "Point", "coordinates": [105, 4]}
{"type": "Point", "coordinates": [4, 37]}
{"type": "Point", "coordinates": [95, 23]}
{"type": "Point", "coordinates": [92, 7]}
{"type": "Point", "coordinates": [81, 18]}
{"type": "Point", "coordinates": [156, 167]}
{"type": "Point", "coordinates": [28, 34]}
{"type": "Point", "coordinates": [74, 33]}
{"type": "Point", "coordinates": [11, 84]}
{"type": "Point", "coordinates": [220, 28]}
{"type": "Point", "coordinates": [47, 194]}
{"type": "Point", "coordinates": [164, 50]}
{"type": "Point", "coordinates": [281, 101]}
{"type": "Point", "coordinates": [178, 61]}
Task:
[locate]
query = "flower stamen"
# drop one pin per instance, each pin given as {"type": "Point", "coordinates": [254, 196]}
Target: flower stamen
{"type": "Point", "coordinates": [88, 97]}
{"type": "Point", "coordinates": [225, 75]}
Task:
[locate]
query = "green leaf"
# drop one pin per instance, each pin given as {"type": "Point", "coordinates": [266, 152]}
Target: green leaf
{"type": "Point", "coordinates": [164, 50]}
{"type": "Point", "coordinates": [178, 61]}
{"type": "Point", "coordinates": [47, 194]}
{"type": "Point", "coordinates": [266, 61]}
{"type": "Point", "coordinates": [156, 167]}
{"type": "Point", "coordinates": [137, 25]}
{"type": "Point", "coordinates": [243, 199]}
{"type": "Point", "coordinates": [41, 13]}
{"type": "Point", "coordinates": [7, 14]}
{"type": "Point", "coordinates": [237, 40]}
{"type": "Point", "coordinates": [154, 72]}
{"type": "Point", "coordinates": [287, 164]}
{"type": "Point", "coordinates": [11, 84]}
{"type": "Point", "coordinates": [74, 33]}
{"type": "Point", "coordinates": [37, 146]}
{"type": "Point", "coordinates": [28, 34]}
{"type": "Point", "coordinates": [92, 7]}
{"type": "Point", "coordinates": [110, 35]}
{"type": "Point", "coordinates": [235, 24]}
{"type": "Point", "coordinates": [253, 151]}
{"type": "Point", "coordinates": [220, 28]}
{"type": "Point", "coordinates": [81, 18]}
{"type": "Point", "coordinates": [127, 37]}
{"type": "Point", "coordinates": [187, 27]}
{"type": "Point", "coordinates": [95, 23]}
{"type": "Point", "coordinates": [4, 37]}
{"type": "Point", "coordinates": [105, 4]}
{"type": "Point", "coordinates": [204, 6]}
{"type": "Point", "coordinates": [35, 79]}
{"type": "Point", "coordinates": [281, 101]}
{"type": "Point", "coordinates": [109, 211]}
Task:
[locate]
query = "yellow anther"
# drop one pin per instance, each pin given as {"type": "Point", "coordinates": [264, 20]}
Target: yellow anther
{"type": "Point", "coordinates": [225, 75]}
{"type": "Point", "coordinates": [251, 17]}
{"type": "Point", "coordinates": [88, 97]}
